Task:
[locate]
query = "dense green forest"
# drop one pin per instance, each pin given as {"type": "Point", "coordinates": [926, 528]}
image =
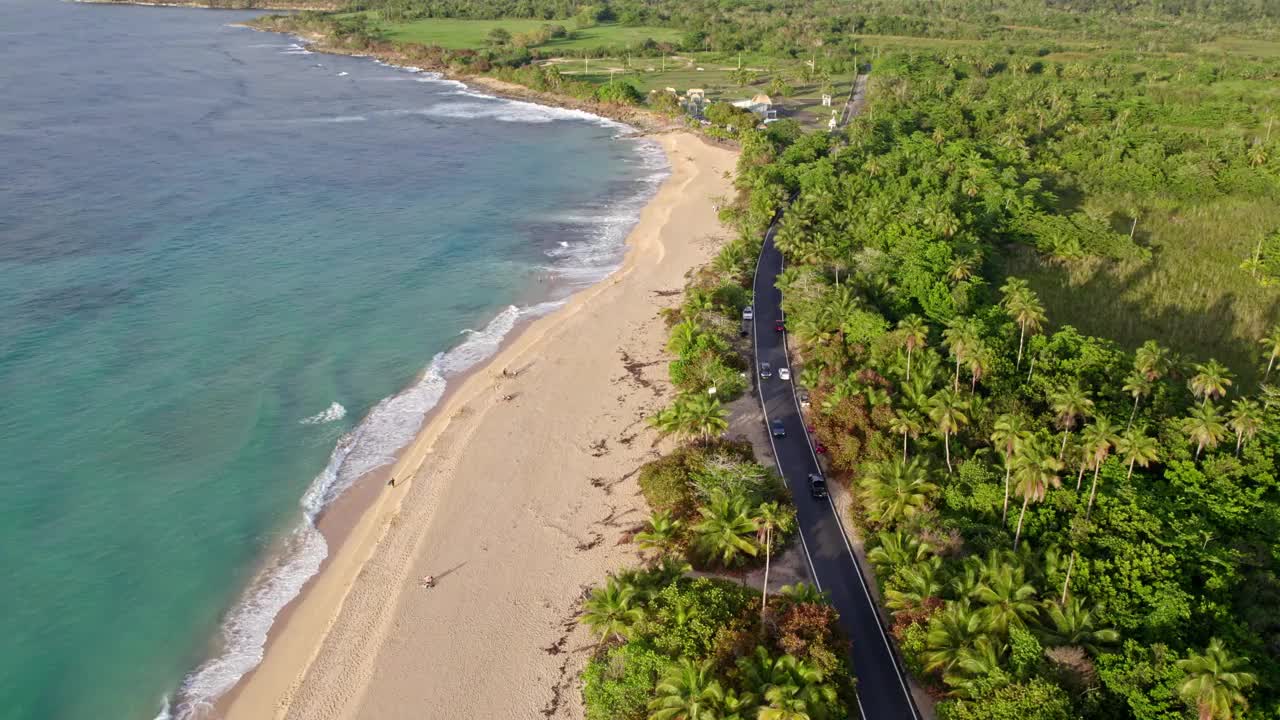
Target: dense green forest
{"type": "Point", "coordinates": [1062, 525]}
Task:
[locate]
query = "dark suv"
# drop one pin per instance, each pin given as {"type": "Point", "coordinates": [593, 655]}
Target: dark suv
{"type": "Point", "coordinates": [817, 486]}
{"type": "Point", "coordinates": [777, 429]}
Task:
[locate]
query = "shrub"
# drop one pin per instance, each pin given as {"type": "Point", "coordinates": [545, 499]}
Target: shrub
{"type": "Point", "coordinates": [665, 481]}
{"type": "Point", "coordinates": [688, 614]}
{"type": "Point", "coordinates": [619, 685]}
{"type": "Point", "coordinates": [1034, 700]}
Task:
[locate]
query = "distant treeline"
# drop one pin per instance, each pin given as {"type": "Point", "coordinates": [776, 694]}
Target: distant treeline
{"type": "Point", "coordinates": [794, 26]}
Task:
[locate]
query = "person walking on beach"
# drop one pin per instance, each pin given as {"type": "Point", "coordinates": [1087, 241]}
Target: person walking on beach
{"type": "Point", "coordinates": [427, 581]}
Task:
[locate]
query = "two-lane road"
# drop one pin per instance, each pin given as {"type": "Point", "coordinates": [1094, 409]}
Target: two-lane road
{"type": "Point", "coordinates": [882, 689]}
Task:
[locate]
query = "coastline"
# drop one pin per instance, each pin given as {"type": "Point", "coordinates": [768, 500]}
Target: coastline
{"type": "Point", "coordinates": [324, 651]}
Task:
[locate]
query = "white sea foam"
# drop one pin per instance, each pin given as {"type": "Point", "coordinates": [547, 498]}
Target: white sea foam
{"type": "Point", "coordinates": [335, 411]}
{"type": "Point", "coordinates": [603, 230]}
{"type": "Point", "coordinates": [343, 74]}
{"type": "Point", "coordinates": [389, 426]}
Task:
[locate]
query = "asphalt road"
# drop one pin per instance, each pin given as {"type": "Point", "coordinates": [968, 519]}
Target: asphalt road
{"type": "Point", "coordinates": [882, 689]}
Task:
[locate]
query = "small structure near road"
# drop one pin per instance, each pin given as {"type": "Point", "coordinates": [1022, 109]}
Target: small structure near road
{"type": "Point", "coordinates": [761, 105]}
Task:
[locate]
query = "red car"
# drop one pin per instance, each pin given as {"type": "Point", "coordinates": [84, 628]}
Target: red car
{"type": "Point", "coordinates": [779, 326]}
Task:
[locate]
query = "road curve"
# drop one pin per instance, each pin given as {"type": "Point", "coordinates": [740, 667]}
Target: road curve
{"type": "Point", "coordinates": [882, 687]}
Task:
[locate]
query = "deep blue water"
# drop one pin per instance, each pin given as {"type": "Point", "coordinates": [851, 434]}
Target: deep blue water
{"type": "Point", "coordinates": [234, 276]}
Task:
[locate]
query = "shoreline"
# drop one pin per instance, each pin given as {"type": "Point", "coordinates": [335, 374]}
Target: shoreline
{"type": "Point", "coordinates": [297, 640]}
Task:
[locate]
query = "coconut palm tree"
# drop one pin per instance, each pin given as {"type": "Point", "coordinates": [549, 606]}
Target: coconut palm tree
{"type": "Point", "coordinates": [688, 691]}
{"type": "Point", "coordinates": [951, 632]}
{"type": "Point", "coordinates": [1009, 434]}
{"type": "Point", "coordinates": [1203, 426]}
{"type": "Point", "coordinates": [1135, 447]}
{"type": "Point", "coordinates": [1022, 305]}
{"type": "Point", "coordinates": [898, 548]}
{"type": "Point", "coordinates": [947, 410]}
{"type": "Point", "coordinates": [1071, 623]}
{"type": "Point", "coordinates": [1271, 348]}
{"type": "Point", "coordinates": [1036, 470]}
{"type": "Point", "coordinates": [725, 531]}
{"type": "Point", "coordinates": [1210, 381]}
{"type": "Point", "coordinates": [978, 670]}
{"type": "Point", "coordinates": [692, 415]}
{"type": "Point", "coordinates": [1215, 683]}
{"type": "Point", "coordinates": [980, 360]}
{"type": "Point", "coordinates": [961, 337]}
{"type": "Point", "coordinates": [663, 534]}
{"type": "Point", "coordinates": [802, 593]}
{"type": "Point", "coordinates": [769, 517]}
{"type": "Point", "coordinates": [1007, 598]}
{"type": "Point", "coordinates": [907, 424]}
{"type": "Point", "coordinates": [1070, 403]}
{"type": "Point", "coordinates": [1245, 421]}
{"type": "Point", "coordinates": [894, 490]}
{"type": "Point", "coordinates": [914, 585]}
{"type": "Point", "coordinates": [1137, 385]}
{"type": "Point", "coordinates": [915, 334]}
{"type": "Point", "coordinates": [613, 609]}
{"type": "Point", "coordinates": [1152, 360]}
{"type": "Point", "coordinates": [1098, 438]}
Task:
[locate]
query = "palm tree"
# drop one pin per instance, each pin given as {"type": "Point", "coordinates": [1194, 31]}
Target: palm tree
{"type": "Point", "coordinates": [1024, 308]}
{"type": "Point", "coordinates": [1036, 471]}
{"type": "Point", "coordinates": [802, 593]}
{"type": "Point", "coordinates": [894, 490]}
{"type": "Point", "coordinates": [915, 334]}
{"type": "Point", "coordinates": [692, 415]}
{"type": "Point", "coordinates": [1271, 345]}
{"type": "Point", "coordinates": [950, 633]}
{"type": "Point", "coordinates": [1137, 385]}
{"type": "Point", "coordinates": [1007, 597]}
{"type": "Point", "coordinates": [961, 337]}
{"type": "Point", "coordinates": [1137, 448]}
{"type": "Point", "coordinates": [1152, 360]}
{"type": "Point", "coordinates": [1210, 381]}
{"type": "Point", "coordinates": [898, 548]}
{"type": "Point", "coordinates": [1071, 623]}
{"type": "Point", "coordinates": [725, 530]}
{"type": "Point", "coordinates": [914, 585]}
{"type": "Point", "coordinates": [611, 610]}
{"type": "Point", "coordinates": [980, 360]}
{"type": "Point", "coordinates": [1098, 441]}
{"type": "Point", "coordinates": [1009, 434]}
{"type": "Point", "coordinates": [688, 691]}
{"type": "Point", "coordinates": [1070, 404]}
{"type": "Point", "coordinates": [947, 410]}
{"type": "Point", "coordinates": [1215, 682]}
{"type": "Point", "coordinates": [906, 424]}
{"type": "Point", "coordinates": [663, 533]}
{"type": "Point", "coordinates": [1245, 422]}
{"type": "Point", "coordinates": [1203, 425]}
{"type": "Point", "coordinates": [769, 517]}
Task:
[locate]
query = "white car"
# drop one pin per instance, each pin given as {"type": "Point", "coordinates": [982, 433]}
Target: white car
{"type": "Point", "coordinates": [748, 313]}
{"type": "Point", "coordinates": [784, 373]}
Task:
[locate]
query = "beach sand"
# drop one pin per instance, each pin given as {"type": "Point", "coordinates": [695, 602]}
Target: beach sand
{"type": "Point", "coordinates": [517, 506]}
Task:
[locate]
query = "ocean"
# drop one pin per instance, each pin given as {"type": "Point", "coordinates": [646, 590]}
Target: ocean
{"type": "Point", "coordinates": [234, 276]}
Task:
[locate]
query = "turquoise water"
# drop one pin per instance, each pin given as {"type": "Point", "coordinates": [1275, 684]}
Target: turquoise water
{"type": "Point", "coordinates": [234, 276]}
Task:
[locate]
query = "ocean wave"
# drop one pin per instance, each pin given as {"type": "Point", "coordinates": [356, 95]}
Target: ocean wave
{"type": "Point", "coordinates": [335, 411]}
{"type": "Point", "coordinates": [602, 231]}
{"type": "Point", "coordinates": [389, 426]}
{"type": "Point", "coordinates": [515, 111]}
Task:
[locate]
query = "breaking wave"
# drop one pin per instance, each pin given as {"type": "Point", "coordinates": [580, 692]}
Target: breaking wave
{"type": "Point", "coordinates": [372, 444]}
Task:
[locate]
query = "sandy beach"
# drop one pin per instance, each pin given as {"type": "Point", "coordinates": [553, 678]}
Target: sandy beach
{"type": "Point", "coordinates": [516, 496]}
